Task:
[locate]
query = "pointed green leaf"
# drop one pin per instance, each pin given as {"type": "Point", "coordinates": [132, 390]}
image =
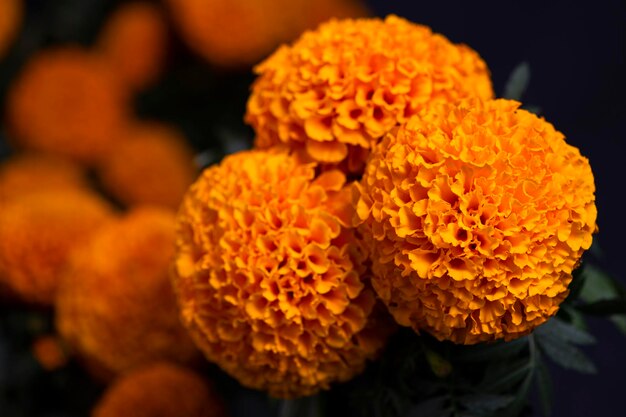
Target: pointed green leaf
{"type": "Point", "coordinates": [564, 354]}
{"type": "Point", "coordinates": [440, 367]}
{"type": "Point", "coordinates": [485, 403]}
{"type": "Point", "coordinates": [501, 377]}
{"type": "Point", "coordinates": [518, 82]}
{"type": "Point", "coordinates": [544, 386]}
{"type": "Point", "coordinates": [619, 322]}
{"type": "Point", "coordinates": [573, 316]}
{"type": "Point", "coordinates": [599, 285]}
{"type": "Point", "coordinates": [557, 329]}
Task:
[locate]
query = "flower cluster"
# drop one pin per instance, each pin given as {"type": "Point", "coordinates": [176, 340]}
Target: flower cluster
{"type": "Point", "coordinates": [152, 164]}
{"type": "Point", "coordinates": [337, 90]}
{"type": "Point", "coordinates": [68, 102]}
{"type": "Point", "coordinates": [235, 33]}
{"type": "Point", "coordinates": [477, 214]}
{"type": "Point", "coordinates": [115, 306]}
{"type": "Point", "coordinates": [270, 279]}
{"type": "Point", "coordinates": [134, 42]}
{"type": "Point", "coordinates": [160, 389]}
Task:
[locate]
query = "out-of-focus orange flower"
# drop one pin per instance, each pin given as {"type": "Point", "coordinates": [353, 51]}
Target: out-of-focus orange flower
{"type": "Point", "coordinates": [153, 164]}
{"type": "Point", "coordinates": [37, 233]}
{"type": "Point", "coordinates": [67, 102]}
{"type": "Point", "coordinates": [134, 41]}
{"type": "Point", "coordinates": [234, 33]}
{"type": "Point", "coordinates": [160, 390]}
{"type": "Point", "coordinates": [115, 306]}
{"type": "Point", "coordinates": [319, 11]}
{"type": "Point", "coordinates": [10, 19]}
{"type": "Point", "coordinates": [49, 352]}
{"type": "Point", "coordinates": [478, 214]}
{"type": "Point", "coordinates": [26, 173]}
{"type": "Point", "coordinates": [270, 280]}
{"type": "Point", "coordinates": [337, 90]}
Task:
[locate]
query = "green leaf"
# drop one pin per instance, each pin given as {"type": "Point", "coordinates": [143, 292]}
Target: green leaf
{"type": "Point", "coordinates": [599, 285]}
{"type": "Point", "coordinates": [482, 404]}
{"type": "Point", "coordinates": [492, 351]}
{"type": "Point", "coordinates": [440, 367]}
{"type": "Point", "coordinates": [573, 316]}
{"type": "Point", "coordinates": [518, 82]}
{"type": "Point", "coordinates": [619, 322]}
{"type": "Point", "coordinates": [501, 377]}
{"type": "Point", "coordinates": [544, 386]}
{"type": "Point", "coordinates": [564, 354]}
{"type": "Point", "coordinates": [557, 329]}
{"type": "Point", "coordinates": [604, 307]}
{"type": "Point", "coordinates": [596, 250]}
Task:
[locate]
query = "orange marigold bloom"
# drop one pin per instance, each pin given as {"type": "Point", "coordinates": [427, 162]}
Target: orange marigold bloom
{"type": "Point", "coordinates": [152, 164]}
{"type": "Point", "coordinates": [67, 102]}
{"type": "Point", "coordinates": [268, 275]}
{"type": "Point", "coordinates": [134, 40]}
{"type": "Point", "coordinates": [233, 33]}
{"type": "Point", "coordinates": [10, 19]}
{"type": "Point", "coordinates": [477, 215]}
{"type": "Point", "coordinates": [337, 90]}
{"type": "Point", "coordinates": [115, 306]}
{"type": "Point", "coordinates": [27, 173]}
{"type": "Point", "coordinates": [37, 233]}
{"type": "Point", "coordinates": [160, 390]}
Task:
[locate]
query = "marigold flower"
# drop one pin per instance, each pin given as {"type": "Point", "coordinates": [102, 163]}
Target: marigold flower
{"type": "Point", "coordinates": [269, 276]}
{"type": "Point", "coordinates": [115, 305]}
{"type": "Point", "coordinates": [37, 233]}
{"type": "Point", "coordinates": [160, 390]}
{"type": "Point", "coordinates": [337, 90]}
{"type": "Point", "coordinates": [26, 173]}
{"type": "Point", "coordinates": [477, 215]}
{"type": "Point", "coordinates": [10, 19]}
{"type": "Point", "coordinates": [134, 40]}
{"type": "Point", "coordinates": [234, 33]}
{"type": "Point", "coordinates": [153, 164]}
{"type": "Point", "coordinates": [67, 102]}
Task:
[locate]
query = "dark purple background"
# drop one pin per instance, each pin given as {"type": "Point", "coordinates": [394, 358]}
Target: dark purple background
{"type": "Point", "coordinates": [577, 55]}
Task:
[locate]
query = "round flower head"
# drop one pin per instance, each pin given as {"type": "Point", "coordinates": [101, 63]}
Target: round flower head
{"type": "Point", "coordinates": [115, 306]}
{"type": "Point", "coordinates": [339, 89]}
{"type": "Point", "coordinates": [153, 164]}
{"type": "Point", "coordinates": [10, 19]}
{"type": "Point", "coordinates": [235, 33]}
{"type": "Point", "coordinates": [37, 233]}
{"type": "Point", "coordinates": [67, 102]}
{"type": "Point", "coordinates": [134, 42]}
{"type": "Point", "coordinates": [160, 390]}
{"type": "Point", "coordinates": [27, 173]}
{"type": "Point", "coordinates": [476, 216]}
{"type": "Point", "coordinates": [268, 275]}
